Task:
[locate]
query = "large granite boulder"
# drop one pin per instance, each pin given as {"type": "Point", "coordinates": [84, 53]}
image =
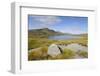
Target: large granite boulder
{"type": "Point", "coordinates": [53, 50]}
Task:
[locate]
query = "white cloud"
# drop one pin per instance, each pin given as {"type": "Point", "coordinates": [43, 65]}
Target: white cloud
{"type": "Point", "coordinates": [46, 21]}
{"type": "Point", "coordinates": [73, 30]}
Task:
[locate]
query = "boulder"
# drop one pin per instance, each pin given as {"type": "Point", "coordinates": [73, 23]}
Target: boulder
{"type": "Point", "coordinates": [53, 50]}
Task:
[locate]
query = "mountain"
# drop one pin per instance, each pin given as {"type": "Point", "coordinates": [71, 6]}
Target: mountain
{"type": "Point", "coordinates": [82, 35]}
{"type": "Point", "coordinates": [45, 33]}
{"type": "Point", "coordinates": [42, 33]}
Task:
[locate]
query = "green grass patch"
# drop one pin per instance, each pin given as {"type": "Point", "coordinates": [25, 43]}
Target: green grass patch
{"type": "Point", "coordinates": [83, 54]}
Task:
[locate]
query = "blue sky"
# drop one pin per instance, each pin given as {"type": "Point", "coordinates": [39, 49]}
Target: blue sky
{"type": "Point", "coordinates": [66, 24]}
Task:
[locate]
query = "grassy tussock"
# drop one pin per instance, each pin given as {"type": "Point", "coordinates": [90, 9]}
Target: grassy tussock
{"type": "Point", "coordinates": [44, 43]}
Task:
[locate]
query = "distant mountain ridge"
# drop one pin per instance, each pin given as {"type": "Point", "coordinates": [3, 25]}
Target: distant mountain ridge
{"type": "Point", "coordinates": [42, 33]}
{"type": "Point", "coordinates": [45, 33]}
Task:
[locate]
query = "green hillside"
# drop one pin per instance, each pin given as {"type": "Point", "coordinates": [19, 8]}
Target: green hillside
{"type": "Point", "coordinates": [42, 33]}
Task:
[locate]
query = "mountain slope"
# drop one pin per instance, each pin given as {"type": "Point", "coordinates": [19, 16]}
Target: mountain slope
{"type": "Point", "coordinates": [45, 33]}
{"type": "Point", "coordinates": [42, 33]}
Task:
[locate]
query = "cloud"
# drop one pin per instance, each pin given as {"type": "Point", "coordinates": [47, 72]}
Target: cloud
{"type": "Point", "coordinates": [45, 21]}
{"type": "Point", "coordinates": [74, 29]}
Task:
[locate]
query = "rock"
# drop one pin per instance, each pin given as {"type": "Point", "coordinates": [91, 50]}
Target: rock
{"type": "Point", "coordinates": [53, 50]}
{"type": "Point", "coordinates": [77, 47]}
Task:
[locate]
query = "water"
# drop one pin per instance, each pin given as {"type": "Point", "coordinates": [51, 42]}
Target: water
{"type": "Point", "coordinates": [63, 37]}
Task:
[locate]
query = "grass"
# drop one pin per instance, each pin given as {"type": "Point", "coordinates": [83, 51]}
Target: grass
{"type": "Point", "coordinates": [83, 54]}
{"type": "Point", "coordinates": [68, 54]}
{"type": "Point", "coordinates": [44, 43]}
{"type": "Point", "coordinates": [35, 55]}
{"type": "Point", "coordinates": [38, 54]}
{"type": "Point", "coordinates": [41, 54]}
{"type": "Point", "coordinates": [40, 42]}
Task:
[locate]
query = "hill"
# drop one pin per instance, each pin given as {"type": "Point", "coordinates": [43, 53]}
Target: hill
{"type": "Point", "coordinates": [42, 33]}
{"type": "Point", "coordinates": [45, 33]}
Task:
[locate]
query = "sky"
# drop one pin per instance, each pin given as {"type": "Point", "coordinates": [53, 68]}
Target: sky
{"type": "Point", "coordinates": [65, 24]}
